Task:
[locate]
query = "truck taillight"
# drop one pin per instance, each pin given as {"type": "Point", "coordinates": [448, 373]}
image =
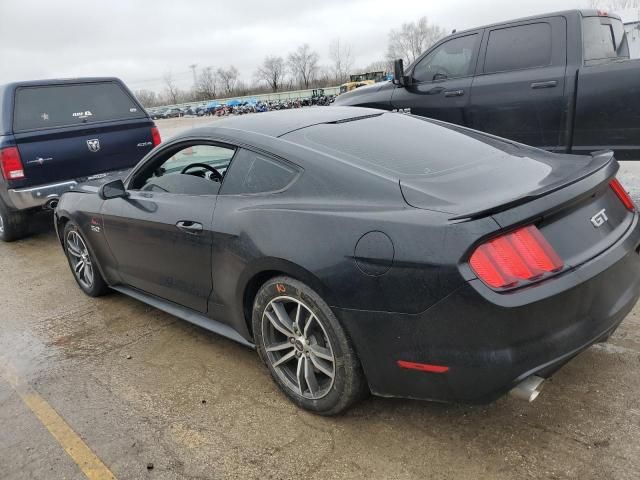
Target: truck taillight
{"type": "Point", "coordinates": [155, 136]}
{"type": "Point", "coordinates": [523, 255]}
{"type": "Point", "coordinates": [10, 164]}
{"type": "Point", "coordinates": [622, 194]}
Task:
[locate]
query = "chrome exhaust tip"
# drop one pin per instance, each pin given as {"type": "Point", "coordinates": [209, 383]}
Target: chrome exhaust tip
{"type": "Point", "coordinates": [51, 204]}
{"type": "Point", "coordinates": [528, 389]}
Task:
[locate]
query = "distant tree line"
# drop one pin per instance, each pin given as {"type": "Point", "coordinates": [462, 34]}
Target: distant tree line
{"type": "Point", "coordinates": [300, 69]}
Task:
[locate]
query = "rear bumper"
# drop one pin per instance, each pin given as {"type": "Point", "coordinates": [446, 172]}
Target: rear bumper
{"type": "Point", "coordinates": [490, 344]}
{"type": "Point", "coordinates": [26, 198]}
{"type": "Point", "coordinates": [41, 195]}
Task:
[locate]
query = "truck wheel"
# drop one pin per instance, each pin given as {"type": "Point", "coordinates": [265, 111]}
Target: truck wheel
{"type": "Point", "coordinates": [305, 348]}
{"type": "Point", "coordinates": [13, 225]}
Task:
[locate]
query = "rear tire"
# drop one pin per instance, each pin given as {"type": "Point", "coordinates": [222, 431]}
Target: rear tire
{"type": "Point", "coordinates": [305, 348]}
{"type": "Point", "coordinates": [13, 225]}
{"type": "Point", "coordinates": [82, 262]}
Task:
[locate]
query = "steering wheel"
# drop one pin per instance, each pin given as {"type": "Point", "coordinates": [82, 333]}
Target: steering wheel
{"type": "Point", "coordinates": [216, 174]}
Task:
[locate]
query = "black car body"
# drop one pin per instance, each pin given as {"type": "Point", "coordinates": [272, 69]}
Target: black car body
{"type": "Point", "coordinates": [560, 81]}
{"type": "Point", "coordinates": [55, 134]}
{"type": "Point", "coordinates": [380, 214]}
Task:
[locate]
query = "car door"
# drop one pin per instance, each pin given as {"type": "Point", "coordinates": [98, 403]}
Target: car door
{"type": "Point", "coordinates": [440, 82]}
{"type": "Point", "coordinates": [519, 90]}
{"type": "Point", "coordinates": [160, 235]}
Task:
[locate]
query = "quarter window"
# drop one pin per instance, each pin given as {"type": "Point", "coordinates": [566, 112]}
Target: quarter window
{"type": "Point", "coordinates": [517, 48]}
{"type": "Point", "coordinates": [452, 59]}
{"type": "Point", "coordinates": [254, 173]}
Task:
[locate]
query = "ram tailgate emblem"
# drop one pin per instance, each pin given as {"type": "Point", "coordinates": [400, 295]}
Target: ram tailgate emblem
{"type": "Point", "coordinates": [93, 144]}
{"type": "Point", "coordinates": [599, 218]}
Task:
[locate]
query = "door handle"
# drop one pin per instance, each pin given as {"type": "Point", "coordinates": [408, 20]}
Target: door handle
{"type": "Point", "coordinates": [435, 91]}
{"type": "Point", "coordinates": [454, 93]}
{"type": "Point", "coordinates": [190, 227]}
{"type": "Point", "coordinates": [550, 84]}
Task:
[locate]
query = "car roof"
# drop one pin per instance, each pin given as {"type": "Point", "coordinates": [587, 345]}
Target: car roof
{"type": "Point", "coordinates": [281, 122]}
{"type": "Point", "coordinates": [59, 81]}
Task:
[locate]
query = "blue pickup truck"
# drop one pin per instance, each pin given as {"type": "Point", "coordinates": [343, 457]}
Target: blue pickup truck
{"type": "Point", "coordinates": [56, 134]}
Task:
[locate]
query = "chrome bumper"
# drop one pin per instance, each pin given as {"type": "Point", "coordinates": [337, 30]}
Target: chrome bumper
{"type": "Point", "coordinates": [25, 198]}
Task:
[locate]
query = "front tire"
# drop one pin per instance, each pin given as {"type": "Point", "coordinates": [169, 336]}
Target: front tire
{"type": "Point", "coordinates": [82, 263]}
{"type": "Point", "coordinates": [305, 348]}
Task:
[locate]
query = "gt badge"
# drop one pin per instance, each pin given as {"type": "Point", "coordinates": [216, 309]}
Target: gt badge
{"type": "Point", "coordinates": [599, 218]}
{"type": "Point", "coordinates": [93, 144]}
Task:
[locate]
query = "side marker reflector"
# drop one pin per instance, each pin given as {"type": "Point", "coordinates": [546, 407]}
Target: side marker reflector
{"type": "Point", "coordinates": [423, 367]}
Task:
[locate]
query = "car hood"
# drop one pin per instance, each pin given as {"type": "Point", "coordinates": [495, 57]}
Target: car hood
{"type": "Point", "coordinates": [378, 93]}
{"type": "Point", "coordinates": [498, 177]}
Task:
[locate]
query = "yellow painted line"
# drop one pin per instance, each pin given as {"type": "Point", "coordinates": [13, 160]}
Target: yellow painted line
{"type": "Point", "coordinates": [80, 453]}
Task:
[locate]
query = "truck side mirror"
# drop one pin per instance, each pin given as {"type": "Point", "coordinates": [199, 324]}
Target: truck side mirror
{"type": "Point", "coordinates": [114, 189]}
{"type": "Point", "coordinates": [399, 77]}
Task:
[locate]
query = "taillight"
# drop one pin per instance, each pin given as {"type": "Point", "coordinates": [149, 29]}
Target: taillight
{"type": "Point", "coordinates": [622, 194]}
{"type": "Point", "coordinates": [11, 164]}
{"type": "Point", "coordinates": [523, 255]}
{"type": "Point", "coordinates": [155, 136]}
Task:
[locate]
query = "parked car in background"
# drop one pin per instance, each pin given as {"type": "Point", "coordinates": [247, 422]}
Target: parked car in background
{"type": "Point", "coordinates": [361, 250]}
{"type": "Point", "coordinates": [56, 134]}
{"type": "Point", "coordinates": [562, 82]}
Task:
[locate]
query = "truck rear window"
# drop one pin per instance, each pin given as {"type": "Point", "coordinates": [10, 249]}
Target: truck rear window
{"type": "Point", "coordinates": [74, 104]}
{"type": "Point", "coordinates": [604, 39]}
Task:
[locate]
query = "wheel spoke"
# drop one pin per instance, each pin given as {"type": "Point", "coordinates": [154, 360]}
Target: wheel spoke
{"type": "Point", "coordinates": [279, 346]}
{"type": "Point", "coordinates": [297, 320]}
{"type": "Point", "coordinates": [310, 376]}
{"type": "Point", "coordinates": [285, 358]}
{"type": "Point", "coordinates": [73, 250]}
{"type": "Point", "coordinates": [320, 365]}
{"type": "Point", "coordinates": [88, 273]}
{"type": "Point", "coordinates": [321, 352]}
{"type": "Point", "coordinates": [277, 325]}
{"type": "Point", "coordinates": [308, 323]}
{"type": "Point", "coordinates": [79, 267]}
{"type": "Point", "coordinates": [300, 375]}
{"type": "Point", "coordinates": [283, 316]}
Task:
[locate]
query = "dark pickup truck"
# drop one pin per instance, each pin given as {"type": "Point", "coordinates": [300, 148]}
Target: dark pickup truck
{"type": "Point", "coordinates": [56, 134]}
{"type": "Point", "coordinates": [562, 82]}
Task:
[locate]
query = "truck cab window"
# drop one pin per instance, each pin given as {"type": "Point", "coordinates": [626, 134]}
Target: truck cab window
{"type": "Point", "coordinates": [519, 47]}
{"type": "Point", "coordinates": [603, 39]}
{"type": "Point", "coordinates": [452, 59]}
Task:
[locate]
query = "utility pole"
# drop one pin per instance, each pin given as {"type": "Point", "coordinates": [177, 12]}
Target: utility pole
{"type": "Point", "coordinates": [193, 70]}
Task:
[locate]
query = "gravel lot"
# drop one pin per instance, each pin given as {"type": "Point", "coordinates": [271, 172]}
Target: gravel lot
{"type": "Point", "coordinates": [143, 389]}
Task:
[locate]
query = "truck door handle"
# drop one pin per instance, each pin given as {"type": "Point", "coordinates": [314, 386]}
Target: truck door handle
{"type": "Point", "coordinates": [190, 227]}
{"type": "Point", "coordinates": [454, 93]}
{"type": "Point", "coordinates": [551, 84]}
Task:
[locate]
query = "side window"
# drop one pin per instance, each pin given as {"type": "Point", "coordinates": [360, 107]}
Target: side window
{"type": "Point", "coordinates": [189, 170]}
{"type": "Point", "coordinates": [603, 39]}
{"type": "Point", "coordinates": [517, 48]}
{"type": "Point", "coordinates": [255, 173]}
{"type": "Point", "coordinates": [453, 59]}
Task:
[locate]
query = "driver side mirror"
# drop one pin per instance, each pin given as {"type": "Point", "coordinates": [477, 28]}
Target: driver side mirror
{"type": "Point", "coordinates": [399, 78]}
{"type": "Point", "coordinates": [113, 189]}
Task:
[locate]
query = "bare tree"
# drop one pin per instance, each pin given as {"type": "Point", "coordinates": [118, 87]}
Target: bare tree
{"type": "Point", "coordinates": [615, 5]}
{"type": "Point", "coordinates": [228, 79]}
{"type": "Point", "coordinates": [206, 84]}
{"type": "Point", "coordinates": [380, 66]}
{"type": "Point", "coordinates": [148, 98]}
{"type": "Point", "coordinates": [304, 64]}
{"type": "Point", "coordinates": [413, 38]}
{"type": "Point", "coordinates": [272, 72]}
{"type": "Point", "coordinates": [341, 60]}
{"type": "Point", "coordinates": [171, 89]}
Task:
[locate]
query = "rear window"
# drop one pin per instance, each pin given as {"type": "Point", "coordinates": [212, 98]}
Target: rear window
{"type": "Point", "coordinates": [60, 105]}
{"type": "Point", "coordinates": [517, 48]}
{"type": "Point", "coordinates": [604, 39]}
{"type": "Point", "coordinates": [253, 173]}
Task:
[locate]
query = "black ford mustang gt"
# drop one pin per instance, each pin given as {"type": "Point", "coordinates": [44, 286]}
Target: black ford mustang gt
{"type": "Point", "coordinates": [361, 250]}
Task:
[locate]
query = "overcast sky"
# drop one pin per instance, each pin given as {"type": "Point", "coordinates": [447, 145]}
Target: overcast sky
{"type": "Point", "coordinates": [140, 40]}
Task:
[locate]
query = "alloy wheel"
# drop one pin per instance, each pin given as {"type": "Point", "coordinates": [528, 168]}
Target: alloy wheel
{"type": "Point", "coordinates": [298, 348]}
{"type": "Point", "coordinates": [80, 259]}
{"type": "Point", "coordinates": [1, 224]}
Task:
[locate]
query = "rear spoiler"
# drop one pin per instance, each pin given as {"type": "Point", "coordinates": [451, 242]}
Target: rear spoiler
{"type": "Point", "coordinates": [600, 160]}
